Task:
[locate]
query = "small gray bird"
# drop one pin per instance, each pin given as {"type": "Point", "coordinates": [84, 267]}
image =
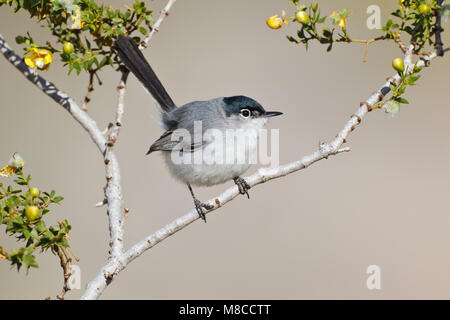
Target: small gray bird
{"type": "Point", "coordinates": [182, 144]}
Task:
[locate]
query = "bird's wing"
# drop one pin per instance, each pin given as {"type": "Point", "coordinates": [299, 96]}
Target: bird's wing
{"type": "Point", "coordinates": [169, 142]}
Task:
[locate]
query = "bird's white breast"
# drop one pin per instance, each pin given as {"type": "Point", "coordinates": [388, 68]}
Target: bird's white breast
{"type": "Point", "coordinates": [219, 160]}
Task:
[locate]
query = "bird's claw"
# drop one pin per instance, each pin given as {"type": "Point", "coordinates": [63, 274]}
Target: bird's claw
{"type": "Point", "coordinates": [242, 185]}
{"type": "Point", "coordinates": [199, 206]}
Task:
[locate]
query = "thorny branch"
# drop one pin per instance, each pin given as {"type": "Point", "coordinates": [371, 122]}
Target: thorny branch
{"type": "Point", "coordinates": [401, 45]}
{"type": "Point", "coordinates": [114, 127]}
{"type": "Point", "coordinates": [87, 98]}
{"type": "Point", "coordinates": [66, 265]}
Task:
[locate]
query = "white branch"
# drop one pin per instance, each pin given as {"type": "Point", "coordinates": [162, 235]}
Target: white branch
{"type": "Point", "coordinates": [113, 191]}
{"type": "Point", "coordinates": [156, 26]}
{"type": "Point", "coordinates": [113, 130]}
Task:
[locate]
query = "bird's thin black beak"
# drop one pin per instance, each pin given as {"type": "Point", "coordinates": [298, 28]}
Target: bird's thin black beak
{"type": "Point", "coordinates": [269, 114]}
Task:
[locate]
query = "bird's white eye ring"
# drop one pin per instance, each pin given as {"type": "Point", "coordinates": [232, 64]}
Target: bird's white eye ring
{"type": "Point", "coordinates": [245, 113]}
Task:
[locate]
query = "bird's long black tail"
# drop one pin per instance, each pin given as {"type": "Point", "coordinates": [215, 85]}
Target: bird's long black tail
{"type": "Point", "coordinates": [135, 61]}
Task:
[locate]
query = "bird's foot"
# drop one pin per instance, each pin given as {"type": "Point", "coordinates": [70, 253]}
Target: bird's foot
{"type": "Point", "coordinates": [242, 185]}
{"type": "Point", "coordinates": [199, 206]}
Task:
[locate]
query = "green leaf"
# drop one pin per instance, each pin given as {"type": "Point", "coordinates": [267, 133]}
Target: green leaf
{"type": "Point", "coordinates": [34, 234]}
{"type": "Point", "coordinates": [103, 62]}
{"type": "Point", "coordinates": [20, 182]}
{"type": "Point", "coordinates": [29, 261]}
{"type": "Point", "coordinates": [58, 199]}
{"type": "Point", "coordinates": [63, 242]}
{"type": "Point", "coordinates": [117, 20]}
{"type": "Point", "coordinates": [389, 23]}
{"type": "Point", "coordinates": [18, 221]}
{"type": "Point", "coordinates": [143, 31]}
{"type": "Point", "coordinates": [12, 201]}
{"type": "Point", "coordinates": [26, 234]}
{"type": "Point", "coordinates": [77, 66]}
{"type": "Point", "coordinates": [149, 18]}
{"type": "Point", "coordinates": [40, 226]}
{"type": "Point", "coordinates": [401, 100]}
{"type": "Point", "coordinates": [291, 39]}
{"type": "Point", "coordinates": [20, 39]}
{"type": "Point", "coordinates": [412, 80]}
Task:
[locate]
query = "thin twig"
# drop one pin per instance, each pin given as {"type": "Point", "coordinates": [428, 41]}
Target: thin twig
{"type": "Point", "coordinates": [73, 254]}
{"type": "Point", "coordinates": [155, 27]}
{"type": "Point", "coordinates": [401, 45]}
{"type": "Point", "coordinates": [66, 264]}
{"type": "Point", "coordinates": [366, 42]}
{"type": "Point", "coordinates": [87, 98]}
{"type": "Point", "coordinates": [3, 253]}
{"type": "Point", "coordinates": [366, 52]}
{"type": "Point", "coordinates": [114, 127]}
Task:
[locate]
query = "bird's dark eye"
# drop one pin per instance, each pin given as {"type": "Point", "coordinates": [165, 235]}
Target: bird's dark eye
{"type": "Point", "coordinates": [245, 113]}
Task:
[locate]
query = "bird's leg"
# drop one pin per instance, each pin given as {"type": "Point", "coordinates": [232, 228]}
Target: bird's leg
{"type": "Point", "coordinates": [242, 185]}
{"type": "Point", "coordinates": [199, 205]}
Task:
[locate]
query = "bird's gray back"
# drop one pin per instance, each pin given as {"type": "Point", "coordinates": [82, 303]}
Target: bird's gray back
{"type": "Point", "coordinates": [210, 113]}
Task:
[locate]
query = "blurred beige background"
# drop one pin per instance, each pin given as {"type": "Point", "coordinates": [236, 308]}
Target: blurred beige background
{"type": "Point", "coordinates": [309, 235]}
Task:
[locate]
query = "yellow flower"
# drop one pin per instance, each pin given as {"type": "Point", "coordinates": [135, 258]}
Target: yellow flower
{"type": "Point", "coordinates": [39, 58]}
{"type": "Point", "coordinates": [341, 21]}
{"type": "Point", "coordinates": [74, 22]}
{"type": "Point", "coordinates": [14, 163]}
{"type": "Point", "coordinates": [275, 22]}
{"type": "Point", "coordinates": [3, 254]}
{"type": "Point", "coordinates": [7, 171]}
